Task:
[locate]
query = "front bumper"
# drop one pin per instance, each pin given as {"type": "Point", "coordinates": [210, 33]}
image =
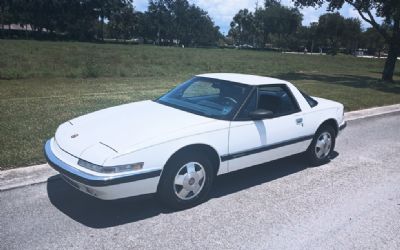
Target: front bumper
{"type": "Point", "coordinates": [104, 186]}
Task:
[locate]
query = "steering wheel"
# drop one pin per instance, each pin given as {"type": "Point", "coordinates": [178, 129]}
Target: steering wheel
{"type": "Point", "coordinates": [230, 99]}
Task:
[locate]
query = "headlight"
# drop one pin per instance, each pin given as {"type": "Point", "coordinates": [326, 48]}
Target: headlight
{"type": "Point", "coordinates": [110, 169]}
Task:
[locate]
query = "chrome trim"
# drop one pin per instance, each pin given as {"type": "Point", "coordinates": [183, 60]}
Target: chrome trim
{"type": "Point", "coordinates": [93, 180]}
{"type": "Point", "coordinates": [265, 148]}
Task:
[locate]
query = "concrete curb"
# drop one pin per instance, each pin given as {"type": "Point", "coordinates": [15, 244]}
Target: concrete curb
{"type": "Point", "coordinates": [365, 113]}
{"type": "Point", "coordinates": [20, 177]}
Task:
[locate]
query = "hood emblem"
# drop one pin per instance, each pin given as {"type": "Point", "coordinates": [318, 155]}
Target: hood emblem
{"type": "Point", "coordinates": [74, 136]}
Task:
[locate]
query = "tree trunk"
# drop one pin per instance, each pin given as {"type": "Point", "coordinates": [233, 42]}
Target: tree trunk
{"type": "Point", "coordinates": [394, 49]}
{"type": "Point", "coordinates": [2, 21]}
{"type": "Point", "coordinates": [312, 46]}
{"type": "Point", "coordinates": [102, 27]}
{"type": "Point", "coordinates": [265, 38]}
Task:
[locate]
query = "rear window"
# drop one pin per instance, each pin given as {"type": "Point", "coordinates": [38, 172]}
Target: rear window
{"type": "Point", "coordinates": [311, 101]}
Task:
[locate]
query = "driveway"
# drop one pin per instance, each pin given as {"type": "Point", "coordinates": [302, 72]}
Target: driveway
{"type": "Point", "coordinates": [353, 202]}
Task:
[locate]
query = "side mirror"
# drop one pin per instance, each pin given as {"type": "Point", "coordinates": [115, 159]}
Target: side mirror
{"type": "Point", "coordinates": [260, 114]}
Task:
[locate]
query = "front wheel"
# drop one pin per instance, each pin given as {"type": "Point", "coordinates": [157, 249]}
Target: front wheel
{"type": "Point", "coordinates": [322, 146]}
{"type": "Point", "coordinates": [186, 181]}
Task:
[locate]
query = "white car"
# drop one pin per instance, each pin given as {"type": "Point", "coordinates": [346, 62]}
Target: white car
{"type": "Point", "coordinates": [175, 145]}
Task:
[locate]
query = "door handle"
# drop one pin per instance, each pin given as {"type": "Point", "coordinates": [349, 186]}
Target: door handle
{"type": "Point", "coordinates": [299, 121]}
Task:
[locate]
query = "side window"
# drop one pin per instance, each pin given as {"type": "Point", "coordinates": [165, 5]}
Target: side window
{"type": "Point", "coordinates": [251, 105]}
{"type": "Point", "coordinates": [311, 101]}
{"type": "Point", "coordinates": [277, 99]}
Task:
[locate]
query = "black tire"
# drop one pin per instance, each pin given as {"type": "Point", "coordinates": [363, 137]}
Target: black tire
{"type": "Point", "coordinates": [321, 156]}
{"type": "Point", "coordinates": [168, 191]}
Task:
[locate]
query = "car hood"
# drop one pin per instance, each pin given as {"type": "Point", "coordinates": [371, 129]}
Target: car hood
{"type": "Point", "coordinates": [106, 133]}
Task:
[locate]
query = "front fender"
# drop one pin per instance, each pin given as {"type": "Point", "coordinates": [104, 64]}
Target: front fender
{"type": "Point", "coordinates": [156, 156]}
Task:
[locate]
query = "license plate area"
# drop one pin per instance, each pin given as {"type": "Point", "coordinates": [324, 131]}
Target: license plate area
{"type": "Point", "coordinates": [70, 182]}
{"type": "Point", "coordinates": [79, 186]}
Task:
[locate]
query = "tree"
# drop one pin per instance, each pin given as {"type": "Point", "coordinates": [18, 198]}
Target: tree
{"type": "Point", "coordinates": [160, 20]}
{"type": "Point", "coordinates": [70, 18]}
{"type": "Point", "coordinates": [178, 22]}
{"type": "Point", "coordinates": [123, 23]}
{"type": "Point", "coordinates": [165, 21]}
{"type": "Point", "coordinates": [273, 19]}
{"type": "Point", "coordinates": [276, 19]}
{"type": "Point", "coordinates": [105, 8]}
{"type": "Point", "coordinates": [145, 27]}
{"type": "Point", "coordinates": [242, 28]}
{"type": "Point", "coordinates": [201, 28]}
{"type": "Point", "coordinates": [307, 37]}
{"type": "Point", "coordinates": [8, 12]}
{"type": "Point", "coordinates": [351, 34]}
{"type": "Point", "coordinates": [389, 30]}
{"type": "Point", "coordinates": [372, 41]}
{"type": "Point", "coordinates": [330, 28]}
{"type": "Point", "coordinates": [78, 19]}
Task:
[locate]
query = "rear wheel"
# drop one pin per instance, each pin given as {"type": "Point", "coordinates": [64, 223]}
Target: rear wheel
{"type": "Point", "coordinates": [322, 145]}
{"type": "Point", "coordinates": [186, 181]}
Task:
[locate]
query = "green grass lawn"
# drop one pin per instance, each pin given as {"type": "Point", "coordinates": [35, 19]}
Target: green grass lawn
{"type": "Point", "coordinates": [43, 84]}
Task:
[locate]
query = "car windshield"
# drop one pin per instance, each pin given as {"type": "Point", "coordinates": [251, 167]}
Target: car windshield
{"type": "Point", "coordinates": [208, 97]}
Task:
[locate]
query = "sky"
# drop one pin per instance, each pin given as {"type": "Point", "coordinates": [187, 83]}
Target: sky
{"type": "Point", "coordinates": [222, 11]}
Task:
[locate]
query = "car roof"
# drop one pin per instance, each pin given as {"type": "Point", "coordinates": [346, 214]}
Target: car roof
{"type": "Point", "coordinates": [244, 79]}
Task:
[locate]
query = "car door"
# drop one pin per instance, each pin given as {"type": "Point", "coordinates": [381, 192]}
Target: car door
{"type": "Point", "coordinates": [253, 142]}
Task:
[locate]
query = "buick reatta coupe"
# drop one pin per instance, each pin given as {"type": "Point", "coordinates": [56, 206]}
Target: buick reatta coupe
{"type": "Point", "coordinates": [174, 146]}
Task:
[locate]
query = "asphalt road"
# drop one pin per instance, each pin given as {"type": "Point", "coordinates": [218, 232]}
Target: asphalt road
{"type": "Point", "coordinates": [351, 203]}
